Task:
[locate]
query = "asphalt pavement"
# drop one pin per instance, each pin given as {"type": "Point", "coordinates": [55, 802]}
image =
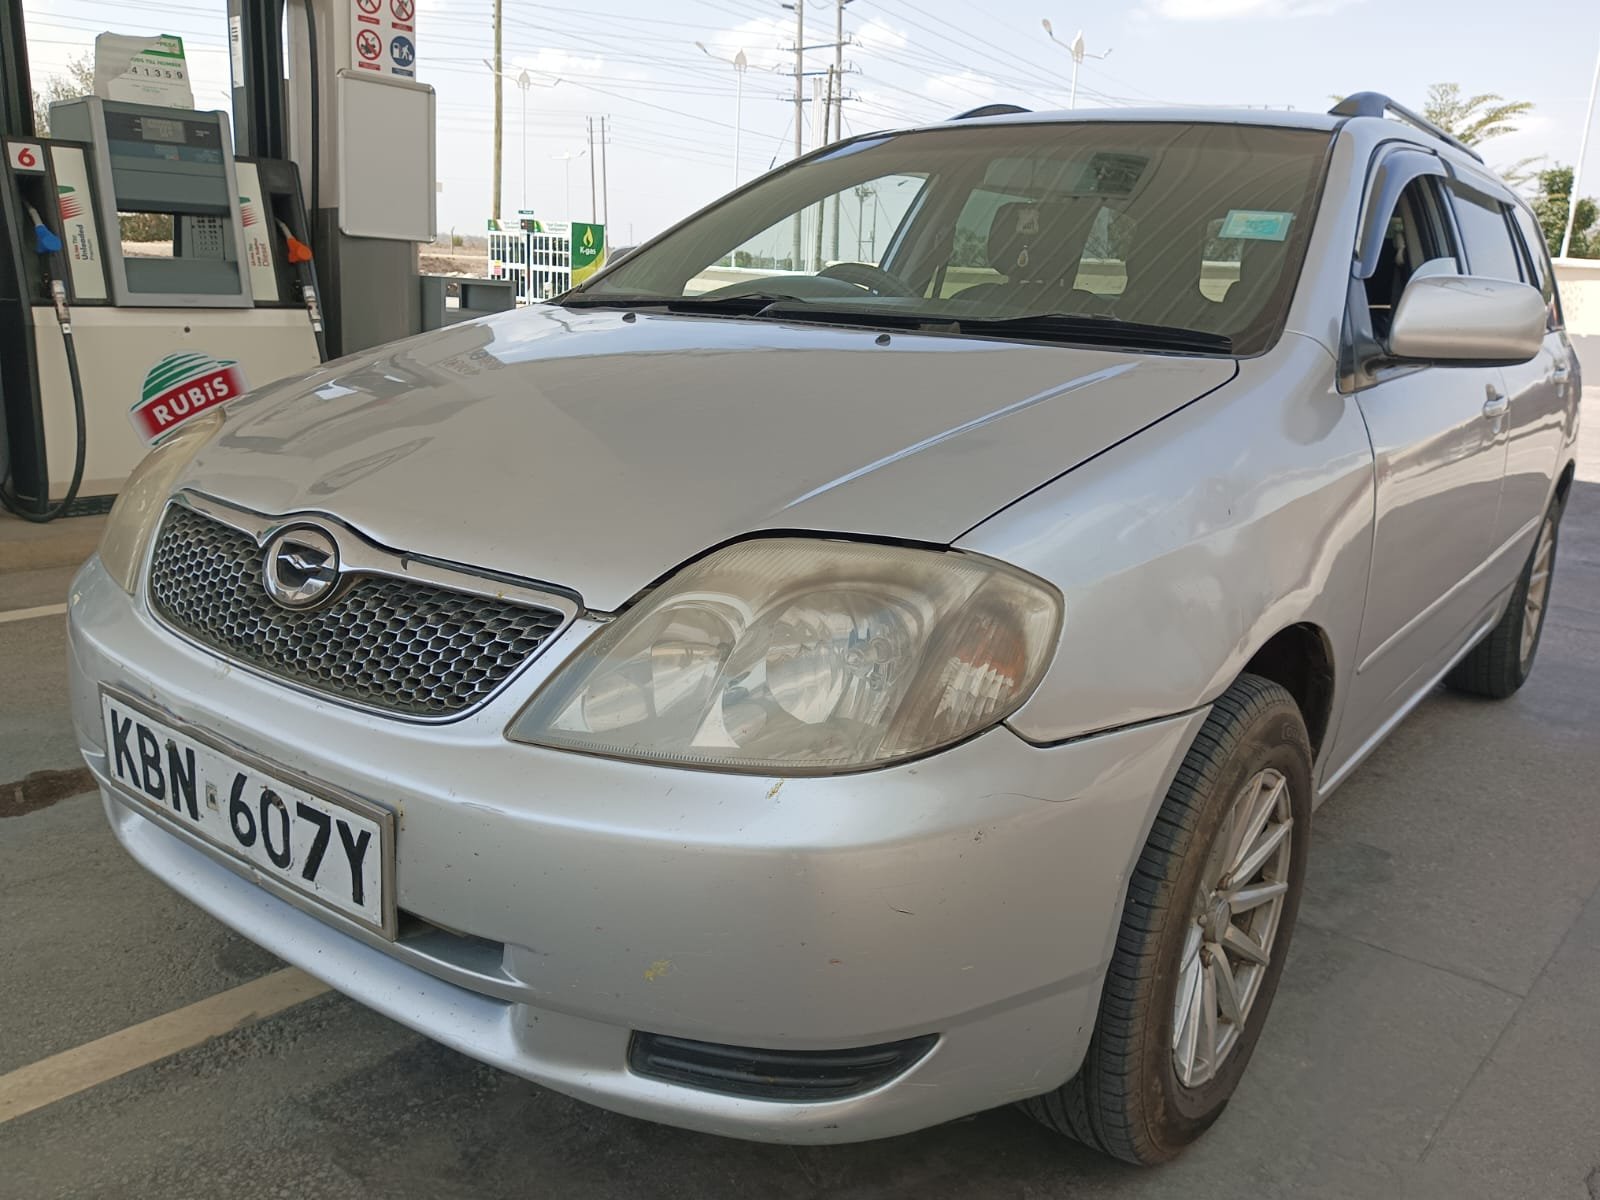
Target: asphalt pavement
{"type": "Point", "coordinates": [1437, 1031]}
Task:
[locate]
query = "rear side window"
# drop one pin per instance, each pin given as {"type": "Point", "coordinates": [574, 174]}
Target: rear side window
{"type": "Point", "coordinates": [1490, 251]}
{"type": "Point", "coordinates": [1540, 272]}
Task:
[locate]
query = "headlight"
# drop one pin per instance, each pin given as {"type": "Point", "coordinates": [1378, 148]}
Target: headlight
{"type": "Point", "coordinates": [133, 517]}
{"type": "Point", "coordinates": [799, 657]}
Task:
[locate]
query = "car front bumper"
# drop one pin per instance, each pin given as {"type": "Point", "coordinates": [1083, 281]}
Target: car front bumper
{"type": "Point", "coordinates": [558, 903]}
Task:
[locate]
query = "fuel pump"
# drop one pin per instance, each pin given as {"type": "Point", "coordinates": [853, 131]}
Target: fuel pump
{"type": "Point", "coordinates": [123, 343]}
{"type": "Point", "coordinates": [106, 347]}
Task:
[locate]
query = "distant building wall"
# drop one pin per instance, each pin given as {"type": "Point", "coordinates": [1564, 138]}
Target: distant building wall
{"type": "Point", "coordinates": [1579, 281]}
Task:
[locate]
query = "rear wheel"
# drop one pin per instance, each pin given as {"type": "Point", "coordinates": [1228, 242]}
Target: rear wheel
{"type": "Point", "coordinates": [1204, 934]}
{"type": "Point", "coordinates": [1500, 664]}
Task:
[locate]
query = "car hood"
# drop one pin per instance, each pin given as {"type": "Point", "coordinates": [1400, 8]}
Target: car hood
{"type": "Point", "coordinates": [597, 450]}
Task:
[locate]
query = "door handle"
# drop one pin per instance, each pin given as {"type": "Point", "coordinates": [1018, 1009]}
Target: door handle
{"type": "Point", "coordinates": [1496, 405]}
{"type": "Point", "coordinates": [1562, 371]}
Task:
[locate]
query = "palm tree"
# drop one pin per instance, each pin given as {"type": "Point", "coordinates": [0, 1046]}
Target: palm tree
{"type": "Point", "coordinates": [1476, 119]}
{"type": "Point", "coordinates": [1473, 119]}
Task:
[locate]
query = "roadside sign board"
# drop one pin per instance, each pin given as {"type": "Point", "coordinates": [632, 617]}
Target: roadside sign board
{"type": "Point", "coordinates": [588, 250]}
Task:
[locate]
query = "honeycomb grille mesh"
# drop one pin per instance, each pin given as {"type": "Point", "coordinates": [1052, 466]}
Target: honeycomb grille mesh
{"type": "Point", "coordinates": [410, 648]}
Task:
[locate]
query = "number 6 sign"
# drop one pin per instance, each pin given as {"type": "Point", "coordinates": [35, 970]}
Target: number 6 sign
{"type": "Point", "coordinates": [26, 156]}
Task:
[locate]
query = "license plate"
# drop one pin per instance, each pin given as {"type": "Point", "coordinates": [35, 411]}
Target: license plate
{"type": "Point", "coordinates": [338, 851]}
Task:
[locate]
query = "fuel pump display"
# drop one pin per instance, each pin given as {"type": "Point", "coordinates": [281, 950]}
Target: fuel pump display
{"type": "Point", "coordinates": [229, 304]}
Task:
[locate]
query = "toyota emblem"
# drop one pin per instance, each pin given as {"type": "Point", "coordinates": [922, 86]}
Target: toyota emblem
{"type": "Point", "coordinates": [300, 567]}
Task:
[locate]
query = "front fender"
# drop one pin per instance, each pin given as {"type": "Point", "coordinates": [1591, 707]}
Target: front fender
{"type": "Point", "coordinates": [1180, 551]}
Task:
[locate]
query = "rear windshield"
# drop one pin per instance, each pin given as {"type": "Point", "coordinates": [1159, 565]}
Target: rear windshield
{"type": "Point", "coordinates": [1198, 227]}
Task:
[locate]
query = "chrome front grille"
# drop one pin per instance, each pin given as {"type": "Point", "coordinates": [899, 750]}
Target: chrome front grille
{"type": "Point", "coordinates": [403, 646]}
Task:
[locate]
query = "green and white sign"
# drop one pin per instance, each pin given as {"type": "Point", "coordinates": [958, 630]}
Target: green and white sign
{"type": "Point", "coordinates": [588, 250]}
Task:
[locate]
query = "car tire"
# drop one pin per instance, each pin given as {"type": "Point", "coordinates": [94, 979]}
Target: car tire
{"type": "Point", "coordinates": [1143, 1094]}
{"type": "Point", "coordinates": [1501, 663]}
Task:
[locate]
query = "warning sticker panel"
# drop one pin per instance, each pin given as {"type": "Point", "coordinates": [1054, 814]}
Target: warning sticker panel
{"type": "Point", "coordinates": [384, 36]}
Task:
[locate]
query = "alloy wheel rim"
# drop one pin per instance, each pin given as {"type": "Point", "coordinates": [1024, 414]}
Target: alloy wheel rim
{"type": "Point", "coordinates": [1538, 588]}
{"type": "Point", "coordinates": [1232, 929]}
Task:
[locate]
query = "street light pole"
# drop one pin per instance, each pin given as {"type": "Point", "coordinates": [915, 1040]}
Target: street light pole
{"type": "Point", "coordinates": [740, 63]}
{"type": "Point", "coordinates": [524, 81]}
{"type": "Point", "coordinates": [1583, 149]}
{"type": "Point", "coordinates": [1078, 52]}
{"type": "Point", "coordinates": [567, 158]}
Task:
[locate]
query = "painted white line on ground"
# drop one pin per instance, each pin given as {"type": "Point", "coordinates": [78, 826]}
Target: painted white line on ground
{"type": "Point", "coordinates": [27, 614]}
{"type": "Point", "coordinates": [93, 1063]}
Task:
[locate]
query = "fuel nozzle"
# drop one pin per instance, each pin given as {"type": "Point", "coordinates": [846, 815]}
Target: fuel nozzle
{"type": "Point", "coordinates": [45, 240]}
{"type": "Point", "coordinates": [313, 309]}
{"type": "Point", "coordinates": [58, 297]}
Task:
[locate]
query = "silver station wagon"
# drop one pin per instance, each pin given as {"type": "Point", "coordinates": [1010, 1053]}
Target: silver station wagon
{"type": "Point", "coordinates": [872, 654]}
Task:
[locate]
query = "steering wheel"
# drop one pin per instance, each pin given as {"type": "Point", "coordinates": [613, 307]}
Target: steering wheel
{"type": "Point", "coordinates": [864, 275]}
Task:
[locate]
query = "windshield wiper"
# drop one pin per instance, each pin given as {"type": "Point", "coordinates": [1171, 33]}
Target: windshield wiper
{"type": "Point", "coordinates": [1081, 328]}
{"type": "Point", "coordinates": [1097, 330]}
{"type": "Point", "coordinates": [747, 304]}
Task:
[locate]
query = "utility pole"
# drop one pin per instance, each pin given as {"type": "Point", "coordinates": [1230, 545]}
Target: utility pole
{"type": "Point", "coordinates": [799, 7]}
{"type": "Point", "coordinates": [499, 97]}
{"type": "Point", "coordinates": [820, 125]}
{"type": "Point", "coordinates": [605, 177]}
{"type": "Point", "coordinates": [594, 207]}
{"type": "Point", "coordinates": [837, 86]}
{"type": "Point", "coordinates": [838, 72]}
{"type": "Point", "coordinates": [799, 77]}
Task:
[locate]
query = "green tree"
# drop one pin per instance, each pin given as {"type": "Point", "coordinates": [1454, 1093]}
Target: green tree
{"type": "Point", "coordinates": [1550, 206]}
{"type": "Point", "coordinates": [78, 80]}
{"type": "Point", "coordinates": [1477, 119]}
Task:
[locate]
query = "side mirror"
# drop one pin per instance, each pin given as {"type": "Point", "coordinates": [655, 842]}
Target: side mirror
{"type": "Point", "coordinates": [1467, 319]}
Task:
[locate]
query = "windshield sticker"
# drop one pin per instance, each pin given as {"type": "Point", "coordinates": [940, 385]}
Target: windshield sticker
{"type": "Point", "coordinates": [1255, 226]}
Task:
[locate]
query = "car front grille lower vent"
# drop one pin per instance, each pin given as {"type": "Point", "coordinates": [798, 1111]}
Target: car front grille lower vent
{"type": "Point", "coordinates": [397, 645]}
{"type": "Point", "coordinates": [796, 1075]}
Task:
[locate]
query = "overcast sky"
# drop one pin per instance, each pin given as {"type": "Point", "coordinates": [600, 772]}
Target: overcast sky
{"type": "Point", "coordinates": [670, 108]}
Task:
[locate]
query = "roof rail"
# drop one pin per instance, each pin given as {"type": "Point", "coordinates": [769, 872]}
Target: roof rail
{"type": "Point", "coordinates": [1376, 104]}
{"type": "Point", "coordinates": [990, 110]}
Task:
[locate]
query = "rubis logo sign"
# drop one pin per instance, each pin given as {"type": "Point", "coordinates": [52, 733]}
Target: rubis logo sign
{"type": "Point", "coordinates": [180, 386]}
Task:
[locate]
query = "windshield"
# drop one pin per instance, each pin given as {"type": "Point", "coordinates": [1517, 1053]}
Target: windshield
{"type": "Point", "coordinates": [1009, 229]}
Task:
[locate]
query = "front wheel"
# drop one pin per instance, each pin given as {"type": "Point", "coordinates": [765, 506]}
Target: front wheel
{"type": "Point", "coordinates": [1204, 934]}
